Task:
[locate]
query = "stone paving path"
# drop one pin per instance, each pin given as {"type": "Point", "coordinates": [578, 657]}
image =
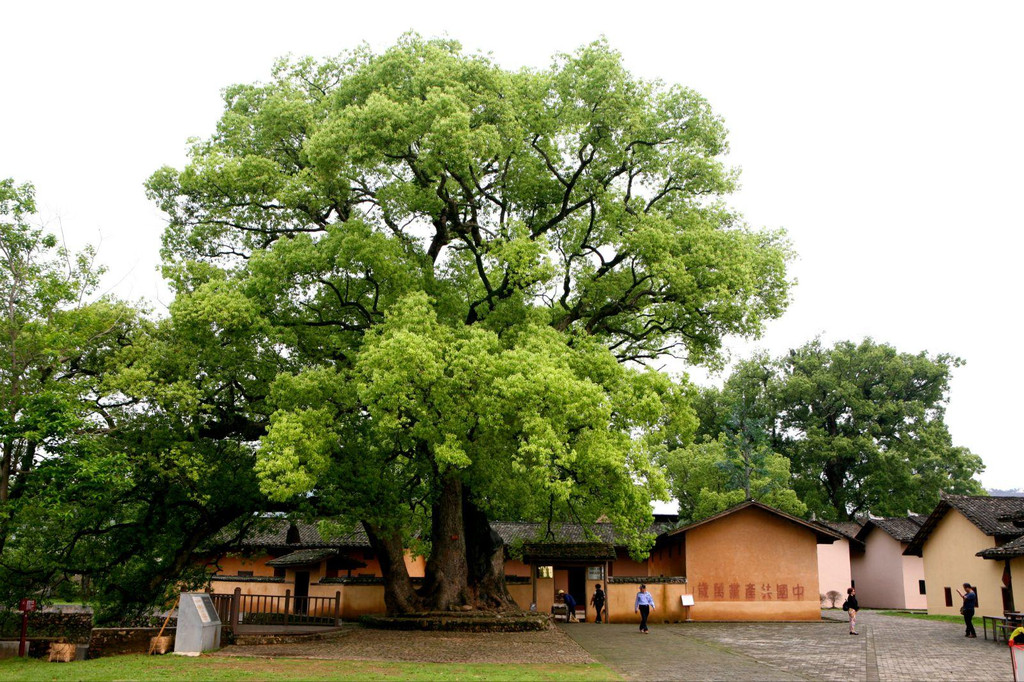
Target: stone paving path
{"type": "Point", "coordinates": [889, 648]}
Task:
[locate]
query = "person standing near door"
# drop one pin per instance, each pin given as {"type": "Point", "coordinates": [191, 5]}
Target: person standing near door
{"type": "Point", "coordinates": [644, 604]}
{"type": "Point", "coordinates": [597, 601]}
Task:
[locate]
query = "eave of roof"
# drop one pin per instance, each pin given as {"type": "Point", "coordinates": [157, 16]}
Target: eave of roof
{"type": "Point", "coordinates": [899, 528]}
{"type": "Point", "coordinates": [1010, 550]}
{"type": "Point", "coordinates": [540, 553]}
{"type": "Point", "coordinates": [302, 557]}
{"type": "Point", "coordinates": [824, 535]}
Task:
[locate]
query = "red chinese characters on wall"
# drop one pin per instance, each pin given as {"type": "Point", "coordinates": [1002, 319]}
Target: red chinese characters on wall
{"type": "Point", "coordinates": [750, 591]}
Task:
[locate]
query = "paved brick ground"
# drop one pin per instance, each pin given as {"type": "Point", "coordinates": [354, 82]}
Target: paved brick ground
{"type": "Point", "coordinates": [889, 648]}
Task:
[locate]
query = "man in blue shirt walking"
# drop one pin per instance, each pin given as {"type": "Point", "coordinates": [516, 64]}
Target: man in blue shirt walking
{"type": "Point", "coordinates": [644, 604]}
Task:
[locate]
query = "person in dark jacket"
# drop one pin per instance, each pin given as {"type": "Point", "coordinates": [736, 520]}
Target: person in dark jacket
{"type": "Point", "coordinates": [597, 601]}
{"type": "Point", "coordinates": [852, 606]}
{"type": "Point", "coordinates": [970, 597]}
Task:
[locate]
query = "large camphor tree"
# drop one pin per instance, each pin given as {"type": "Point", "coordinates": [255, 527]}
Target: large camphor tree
{"type": "Point", "coordinates": [461, 272]}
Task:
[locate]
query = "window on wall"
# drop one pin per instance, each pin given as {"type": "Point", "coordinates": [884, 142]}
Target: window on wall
{"type": "Point", "coordinates": [245, 574]}
{"type": "Point", "coordinates": [595, 572]}
{"type": "Point", "coordinates": [920, 586]}
{"type": "Point", "coordinates": [545, 571]}
{"type": "Point", "coordinates": [949, 596]}
{"type": "Point", "coordinates": [279, 572]}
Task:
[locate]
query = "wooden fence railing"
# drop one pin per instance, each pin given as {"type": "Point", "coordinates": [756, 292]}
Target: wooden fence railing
{"type": "Point", "coordinates": [260, 609]}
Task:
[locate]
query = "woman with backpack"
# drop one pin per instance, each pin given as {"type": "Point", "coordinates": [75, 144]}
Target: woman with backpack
{"type": "Point", "coordinates": [852, 606]}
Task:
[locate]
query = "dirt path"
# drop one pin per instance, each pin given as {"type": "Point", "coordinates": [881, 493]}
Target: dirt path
{"type": "Point", "coordinates": [359, 644]}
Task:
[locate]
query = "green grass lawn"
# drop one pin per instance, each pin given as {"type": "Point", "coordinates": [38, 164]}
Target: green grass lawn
{"type": "Point", "coordinates": [253, 669]}
{"type": "Point", "coordinates": [925, 616]}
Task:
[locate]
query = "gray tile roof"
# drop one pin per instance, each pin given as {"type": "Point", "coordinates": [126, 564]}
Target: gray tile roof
{"type": "Point", "coordinates": [848, 529]}
{"type": "Point", "coordinates": [273, 534]}
{"type": "Point", "coordinates": [302, 557]}
{"type": "Point", "coordinates": [991, 515]}
{"type": "Point", "coordinates": [900, 528]}
{"type": "Point", "coordinates": [1010, 550]}
{"type": "Point", "coordinates": [567, 533]}
{"type": "Point", "coordinates": [553, 552]}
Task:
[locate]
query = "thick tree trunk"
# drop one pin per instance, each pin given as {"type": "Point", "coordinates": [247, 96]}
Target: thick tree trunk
{"type": "Point", "coordinates": [447, 576]}
{"type": "Point", "coordinates": [466, 567]}
{"type": "Point", "coordinates": [485, 557]}
{"type": "Point", "coordinates": [399, 596]}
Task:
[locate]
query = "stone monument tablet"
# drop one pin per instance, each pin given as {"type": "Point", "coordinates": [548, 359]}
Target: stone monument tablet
{"type": "Point", "coordinates": [198, 625]}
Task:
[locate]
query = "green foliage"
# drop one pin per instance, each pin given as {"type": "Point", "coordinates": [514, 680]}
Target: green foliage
{"type": "Point", "coordinates": [732, 460]}
{"type": "Point", "coordinates": [117, 462]}
{"type": "Point", "coordinates": [420, 268]}
{"type": "Point", "coordinates": [709, 477]}
{"type": "Point", "coordinates": [863, 426]}
{"type": "Point", "coordinates": [55, 348]}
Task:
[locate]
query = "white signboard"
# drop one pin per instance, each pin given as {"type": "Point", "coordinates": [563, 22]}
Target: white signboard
{"type": "Point", "coordinates": [687, 599]}
{"type": "Point", "coordinates": [201, 608]}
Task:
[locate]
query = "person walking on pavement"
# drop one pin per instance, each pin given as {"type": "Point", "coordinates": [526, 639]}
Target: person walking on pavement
{"type": "Point", "coordinates": [597, 601]}
{"type": "Point", "coordinates": [852, 606]}
{"type": "Point", "coordinates": [970, 597]}
{"type": "Point", "coordinates": [644, 604]}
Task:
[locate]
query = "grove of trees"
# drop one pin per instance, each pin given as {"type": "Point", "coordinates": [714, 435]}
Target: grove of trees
{"type": "Point", "coordinates": [422, 292]}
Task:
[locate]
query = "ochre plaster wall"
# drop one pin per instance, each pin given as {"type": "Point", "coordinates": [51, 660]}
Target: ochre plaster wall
{"type": "Point", "coordinates": [949, 561]}
{"type": "Point", "coordinates": [752, 565]}
{"type": "Point", "coordinates": [623, 566]}
{"type": "Point", "coordinates": [231, 565]}
{"type": "Point", "coordinates": [878, 572]}
{"type": "Point", "coordinates": [516, 567]}
{"type": "Point", "coordinates": [668, 604]}
{"type": "Point", "coordinates": [358, 600]}
{"type": "Point", "coordinates": [834, 567]}
{"type": "Point", "coordinates": [668, 558]}
{"type": "Point", "coordinates": [1017, 582]}
{"type": "Point", "coordinates": [250, 588]}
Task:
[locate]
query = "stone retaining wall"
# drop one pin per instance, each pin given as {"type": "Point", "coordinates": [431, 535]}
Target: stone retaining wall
{"type": "Point", "coordinates": [120, 641]}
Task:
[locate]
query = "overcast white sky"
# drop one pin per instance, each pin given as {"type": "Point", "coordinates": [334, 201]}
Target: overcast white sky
{"type": "Point", "coordinates": [886, 137]}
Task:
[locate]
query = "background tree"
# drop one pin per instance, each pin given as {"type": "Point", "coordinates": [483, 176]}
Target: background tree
{"type": "Point", "coordinates": [55, 346]}
{"type": "Point", "coordinates": [459, 268]}
{"type": "Point", "coordinates": [863, 427]}
{"type": "Point", "coordinates": [732, 460]}
{"type": "Point", "coordinates": [122, 450]}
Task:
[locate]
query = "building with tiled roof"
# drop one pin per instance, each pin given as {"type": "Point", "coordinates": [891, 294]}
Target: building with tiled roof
{"type": "Point", "coordinates": [710, 561]}
{"type": "Point", "coordinates": [960, 542]}
{"type": "Point", "coordinates": [886, 578]}
{"type": "Point", "coordinates": [834, 574]}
